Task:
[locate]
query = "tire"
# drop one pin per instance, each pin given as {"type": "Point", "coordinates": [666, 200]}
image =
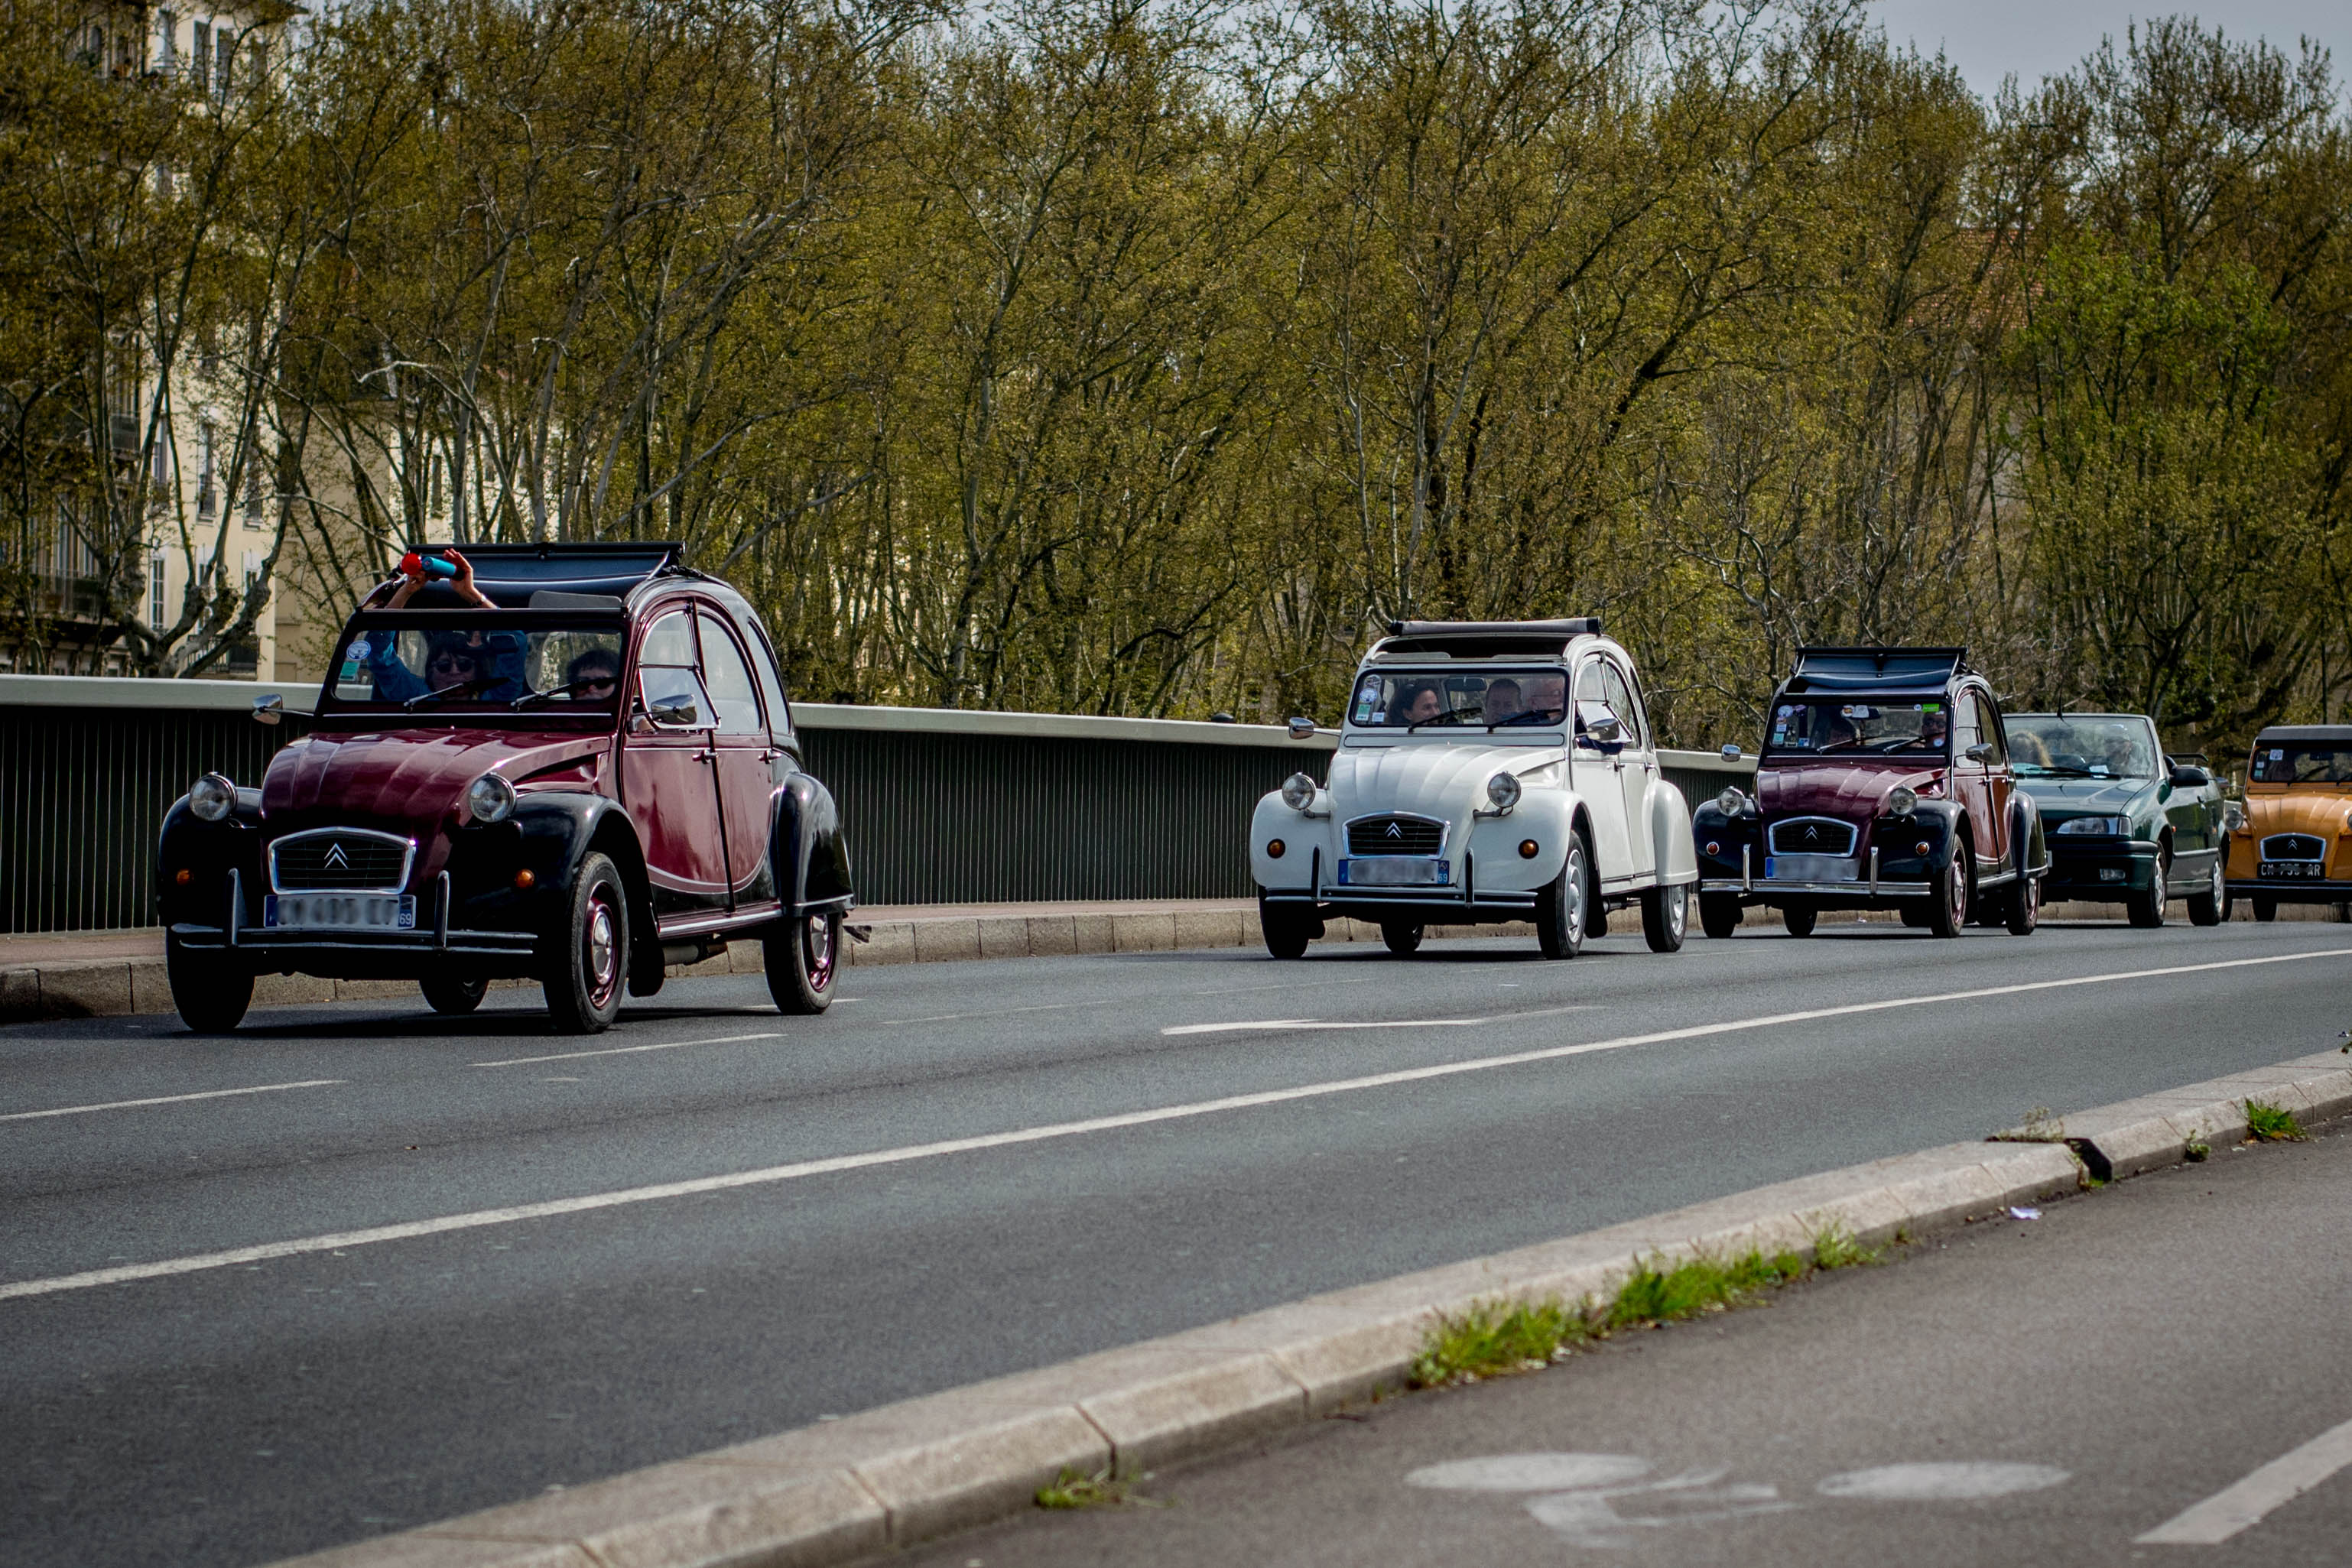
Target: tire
{"type": "Point", "coordinates": [1567, 905]}
{"type": "Point", "coordinates": [1718, 915]}
{"type": "Point", "coordinates": [2266, 906]}
{"type": "Point", "coordinates": [1665, 917]}
{"type": "Point", "coordinates": [2024, 906]}
{"type": "Point", "coordinates": [801, 957]}
{"type": "Point", "coordinates": [1401, 940]}
{"type": "Point", "coordinates": [2210, 905]}
{"type": "Point", "coordinates": [1799, 919]}
{"type": "Point", "coordinates": [1949, 894]}
{"type": "Point", "coordinates": [452, 996]}
{"type": "Point", "coordinates": [1286, 931]}
{"type": "Point", "coordinates": [210, 989]}
{"type": "Point", "coordinates": [2147, 909]}
{"type": "Point", "coordinates": [584, 978]}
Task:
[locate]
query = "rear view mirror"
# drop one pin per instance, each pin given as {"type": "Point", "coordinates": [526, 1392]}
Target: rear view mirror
{"type": "Point", "coordinates": [674, 712]}
{"type": "Point", "coordinates": [2189, 776]}
{"type": "Point", "coordinates": [1730, 752]}
{"type": "Point", "coordinates": [1302, 729]}
{"type": "Point", "coordinates": [268, 708]}
{"type": "Point", "coordinates": [1980, 752]}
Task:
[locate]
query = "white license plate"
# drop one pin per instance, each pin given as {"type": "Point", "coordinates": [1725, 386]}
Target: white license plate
{"type": "Point", "coordinates": [2289, 869]}
{"type": "Point", "coordinates": [1392, 870]}
{"type": "Point", "coordinates": [340, 912]}
{"type": "Point", "coordinates": [1810, 868]}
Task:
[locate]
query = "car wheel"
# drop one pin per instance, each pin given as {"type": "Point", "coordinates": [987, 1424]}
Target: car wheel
{"type": "Point", "coordinates": [1567, 903]}
{"type": "Point", "coordinates": [1799, 918]}
{"type": "Point", "coordinates": [1286, 931]}
{"type": "Point", "coordinates": [1719, 914]}
{"type": "Point", "coordinates": [1665, 917]}
{"type": "Point", "coordinates": [585, 975]}
{"type": "Point", "coordinates": [2266, 906]}
{"type": "Point", "coordinates": [802, 957]}
{"type": "Point", "coordinates": [1401, 940]}
{"type": "Point", "coordinates": [2024, 906]}
{"type": "Point", "coordinates": [454, 994]}
{"type": "Point", "coordinates": [210, 989]}
{"type": "Point", "coordinates": [2209, 905]}
{"type": "Point", "coordinates": [2147, 908]}
{"type": "Point", "coordinates": [1949, 894]}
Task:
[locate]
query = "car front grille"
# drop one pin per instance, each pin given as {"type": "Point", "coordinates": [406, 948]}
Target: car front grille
{"type": "Point", "coordinates": [1812, 836]}
{"type": "Point", "coordinates": [2292, 847]}
{"type": "Point", "coordinates": [1395, 835]}
{"type": "Point", "coordinates": [346, 860]}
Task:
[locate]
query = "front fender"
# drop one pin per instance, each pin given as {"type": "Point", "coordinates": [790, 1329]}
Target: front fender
{"type": "Point", "coordinates": [811, 851]}
{"type": "Point", "coordinates": [1545, 817]}
{"type": "Point", "coordinates": [207, 852]}
{"type": "Point", "coordinates": [1300, 837]}
{"type": "Point", "coordinates": [550, 834]}
{"type": "Point", "coordinates": [1672, 850]}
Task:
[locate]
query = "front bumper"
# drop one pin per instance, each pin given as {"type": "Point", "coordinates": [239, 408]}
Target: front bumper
{"type": "Point", "coordinates": [2096, 870]}
{"type": "Point", "coordinates": [1414, 906]}
{"type": "Point", "coordinates": [361, 955]}
{"type": "Point", "coordinates": [2296, 891]}
{"type": "Point", "coordinates": [1857, 895]}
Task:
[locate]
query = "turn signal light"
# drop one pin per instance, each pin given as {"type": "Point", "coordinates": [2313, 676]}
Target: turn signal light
{"type": "Point", "coordinates": [1274, 848]}
{"type": "Point", "coordinates": [524, 880]}
{"type": "Point", "coordinates": [1712, 848]}
{"type": "Point", "coordinates": [1920, 848]}
{"type": "Point", "coordinates": [184, 876]}
{"type": "Point", "coordinates": [1528, 848]}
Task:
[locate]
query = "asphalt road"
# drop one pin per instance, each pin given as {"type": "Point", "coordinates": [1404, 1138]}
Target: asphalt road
{"type": "Point", "coordinates": [241, 1410]}
{"type": "Point", "coordinates": [2162, 1358]}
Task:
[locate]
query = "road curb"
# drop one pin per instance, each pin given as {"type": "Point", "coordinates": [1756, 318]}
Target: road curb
{"type": "Point", "coordinates": [844, 1489]}
{"type": "Point", "coordinates": [2157, 1130]}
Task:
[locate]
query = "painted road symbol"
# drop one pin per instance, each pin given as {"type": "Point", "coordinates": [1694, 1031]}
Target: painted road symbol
{"type": "Point", "coordinates": [1602, 1501]}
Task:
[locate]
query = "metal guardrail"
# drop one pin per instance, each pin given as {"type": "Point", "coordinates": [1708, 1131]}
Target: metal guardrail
{"type": "Point", "coordinates": [941, 806]}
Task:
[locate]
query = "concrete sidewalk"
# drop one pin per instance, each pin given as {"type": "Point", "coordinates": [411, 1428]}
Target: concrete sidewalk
{"type": "Point", "coordinates": [2120, 1376]}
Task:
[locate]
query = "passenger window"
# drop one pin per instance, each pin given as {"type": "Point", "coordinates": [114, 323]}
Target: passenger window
{"type": "Point", "coordinates": [666, 686]}
{"type": "Point", "coordinates": [1628, 711]}
{"type": "Point", "coordinates": [671, 641]}
{"type": "Point", "coordinates": [1989, 727]}
{"type": "Point", "coordinates": [771, 687]}
{"type": "Point", "coordinates": [729, 680]}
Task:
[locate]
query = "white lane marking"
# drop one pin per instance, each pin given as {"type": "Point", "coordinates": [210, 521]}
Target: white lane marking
{"type": "Point", "coordinates": [168, 1100]}
{"type": "Point", "coordinates": [2243, 1506]}
{"type": "Point", "coordinates": [1371, 1023]}
{"type": "Point", "coordinates": [1945, 1482]}
{"type": "Point", "coordinates": [1531, 1472]}
{"type": "Point", "coordinates": [627, 1050]}
{"type": "Point", "coordinates": [831, 1164]}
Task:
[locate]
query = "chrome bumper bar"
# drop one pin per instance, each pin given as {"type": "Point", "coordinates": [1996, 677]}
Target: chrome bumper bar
{"type": "Point", "coordinates": [1843, 889]}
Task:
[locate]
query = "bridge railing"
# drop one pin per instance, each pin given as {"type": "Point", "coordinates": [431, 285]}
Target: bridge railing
{"type": "Point", "coordinates": [941, 806]}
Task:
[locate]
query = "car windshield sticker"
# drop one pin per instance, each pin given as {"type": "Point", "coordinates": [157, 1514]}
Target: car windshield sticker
{"type": "Point", "coordinates": [352, 657]}
{"type": "Point", "coordinates": [2278, 756]}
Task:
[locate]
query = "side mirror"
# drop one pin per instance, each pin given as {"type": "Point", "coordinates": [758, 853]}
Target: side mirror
{"type": "Point", "coordinates": [674, 712]}
{"type": "Point", "coordinates": [1980, 752]}
{"type": "Point", "coordinates": [1302, 728]}
{"type": "Point", "coordinates": [268, 708]}
{"type": "Point", "coordinates": [1730, 753]}
{"type": "Point", "coordinates": [2189, 776]}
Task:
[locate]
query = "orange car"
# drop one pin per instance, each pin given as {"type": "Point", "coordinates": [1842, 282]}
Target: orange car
{"type": "Point", "coordinates": [2296, 846]}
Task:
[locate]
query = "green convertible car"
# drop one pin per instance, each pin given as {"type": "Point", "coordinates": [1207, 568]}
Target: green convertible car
{"type": "Point", "coordinates": [2126, 823]}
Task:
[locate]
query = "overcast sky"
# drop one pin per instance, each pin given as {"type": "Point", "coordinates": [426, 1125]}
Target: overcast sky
{"type": "Point", "coordinates": [1988, 39]}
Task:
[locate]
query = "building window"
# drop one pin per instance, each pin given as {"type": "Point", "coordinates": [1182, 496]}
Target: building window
{"type": "Point", "coordinates": [200, 57]}
{"type": "Point", "coordinates": [223, 50]}
{"type": "Point", "coordinates": [205, 472]}
{"type": "Point", "coordinates": [253, 497]}
{"type": "Point", "coordinates": [155, 589]}
{"type": "Point", "coordinates": [167, 40]}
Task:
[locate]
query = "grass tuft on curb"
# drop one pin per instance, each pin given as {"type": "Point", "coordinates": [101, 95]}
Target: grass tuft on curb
{"type": "Point", "coordinates": [1498, 1338]}
{"type": "Point", "coordinates": [1075, 1489]}
{"type": "Point", "coordinates": [2268, 1124]}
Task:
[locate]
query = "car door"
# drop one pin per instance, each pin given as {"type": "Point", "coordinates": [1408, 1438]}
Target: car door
{"type": "Point", "coordinates": [1636, 765]}
{"type": "Point", "coordinates": [744, 759]}
{"type": "Point", "coordinates": [669, 780]}
{"type": "Point", "coordinates": [1992, 831]}
{"type": "Point", "coordinates": [1593, 772]}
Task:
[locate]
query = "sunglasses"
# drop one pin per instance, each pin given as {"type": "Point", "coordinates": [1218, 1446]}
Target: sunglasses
{"type": "Point", "coordinates": [451, 664]}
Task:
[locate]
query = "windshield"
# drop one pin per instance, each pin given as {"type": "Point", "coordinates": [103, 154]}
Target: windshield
{"type": "Point", "coordinates": [1440, 699]}
{"type": "Point", "coordinates": [1854, 727]}
{"type": "Point", "coordinates": [2304, 763]}
{"type": "Point", "coordinates": [472, 661]}
{"type": "Point", "coordinates": [2061, 746]}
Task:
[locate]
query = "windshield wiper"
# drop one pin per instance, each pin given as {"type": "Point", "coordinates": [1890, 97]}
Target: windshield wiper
{"type": "Point", "coordinates": [446, 693]}
{"type": "Point", "coordinates": [1451, 715]}
{"type": "Point", "coordinates": [529, 699]}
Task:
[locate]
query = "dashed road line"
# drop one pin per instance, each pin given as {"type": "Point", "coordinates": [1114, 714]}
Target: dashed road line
{"type": "Point", "coordinates": [2245, 1505]}
{"type": "Point", "coordinates": [168, 1100]}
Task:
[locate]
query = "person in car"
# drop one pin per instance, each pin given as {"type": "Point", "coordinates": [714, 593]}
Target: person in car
{"type": "Point", "coordinates": [592, 676]}
{"type": "Point", "coordinates": [1504, 703]}
{"type": "Point", "coordinates": [489, 666]}
{"type": "Point", "coordinates": [1420, 703]}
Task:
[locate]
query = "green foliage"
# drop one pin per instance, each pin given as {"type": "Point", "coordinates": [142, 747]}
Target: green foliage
{"type": "Point", "coordinates": [1079, 355]}
{"type": "Point", "coordinates": [1075, 1489]}
{"type": "Point", "coordinates": [1496, 1337]}
{"type": "Point", "coordinates": [2273, 1124]}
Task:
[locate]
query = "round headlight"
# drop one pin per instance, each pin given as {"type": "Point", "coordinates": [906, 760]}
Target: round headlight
{"type": "Point", "coordinates": [1299, 791]}
{"type": "Point", "coordinates": [1902, 799]}
{"type": "Point", "coordinates": [1503, 791]}
{"type": "Point", "coordinates": [1731, 802]}
{"type": "Point", "coordinates": [211, 798]}
{"type": "Point", "coordinates": [490, 799]}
